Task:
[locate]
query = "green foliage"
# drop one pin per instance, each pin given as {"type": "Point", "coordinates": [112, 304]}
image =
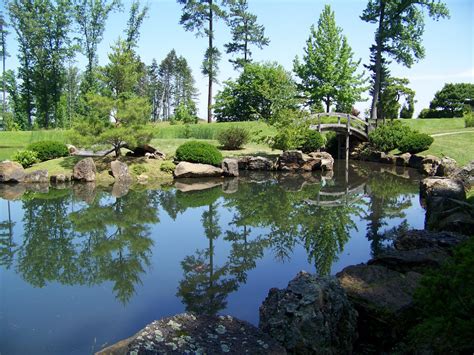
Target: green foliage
{"type": "Point", "coordinates": [451, 101]}
{"type": "Point", "coordinates": [415, 142]}
{"type": "Point", "coordinates": [328, 71]}
{"type": "Point", "coordinates": [387, 137]}
{"type": "Point", "coordinates": [445, 304]}
{"type": "Point", "coordinates": [245, 32]}
{"type": "Point", "coordinates": [26, 158]}
{"type": "Point", "coordinates": [167, 166]}
{"type": "Point", "coordinates": [469, 119]}
{"type": "Point", "coordinates": [185, 114]}
{"type": "Point", "coordinates": [47, 150]}
{"type": "Point", "coordinates": [233, 138]}
{"type": "Point", "coordinates": [199, 152]}
{"type": "Point", "coordinates": [259, 93]}
{"type": "Point", "coordinates": [139, 169]}
{"type": "Point", "coordinates": [393, 89]}
{"type": "Point", "coordinates": [293, 132]}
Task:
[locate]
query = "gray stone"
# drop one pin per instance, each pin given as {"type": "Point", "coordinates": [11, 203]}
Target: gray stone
{"type": "Point", "coordinates": [260, 163]}
{"type": "Point", "coordinates": [446, 167]}
{"type": "Point", "coordinates": [37, 176]}
{"type": "Point", "coordinates": [466, 175]}
{"type": "Point", "coordinates": [230, 167]}
{"type": "Point", "coordinates": [442, 187]}
{"type": "Point", "coordinates": [403, 159]}
{"type": "Point", "coordinates": [119, 171]}
{"type": "Point", "coordinates": [387, 159]}
{"type": "Point", "coordinates": [415, 161]}
{"type": "Point", "coordinates": [429, 165]}
{"type": "Point", "coordinates": [383, 298]}
{"type": "Point", "coordinates": [59, 178]}
{"type": "Point", "coordinates": [11, 171]}
{"type": "Point", "coordinates": [197, 334]}
{"type": "Point", "coordinates": [290, 160]}
{"type": "Point", "coordinates": [191, 170]}
{"type": "Point", "coordinates": [417, 239]}
{"type": "Point", "coordinates": [311, 316]}
{"type": "Point", "coordinates": [84, 170]}
{"type": "Point", "coordinates": [419, 260]}
{"type": "Point", "coordinates": [327, 161]}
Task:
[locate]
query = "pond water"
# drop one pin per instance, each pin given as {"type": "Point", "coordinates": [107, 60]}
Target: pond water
{"type": "Point", "coordinates": [81, 267]}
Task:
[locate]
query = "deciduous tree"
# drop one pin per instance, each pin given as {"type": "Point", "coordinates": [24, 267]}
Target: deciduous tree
{"type": "Point", "coordinates": [328, 70]}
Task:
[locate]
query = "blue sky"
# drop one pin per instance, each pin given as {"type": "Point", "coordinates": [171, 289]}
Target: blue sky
{"type": "Point", "coordinates": [448, 43]}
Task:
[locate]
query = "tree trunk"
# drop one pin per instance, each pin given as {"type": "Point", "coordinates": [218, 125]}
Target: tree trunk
{"type": "Point", "coordinates": [378, 64]}
{"type": "Point", "coordinates": [211, 65]}
{"type": "Point", "coordinates": [328, 104]}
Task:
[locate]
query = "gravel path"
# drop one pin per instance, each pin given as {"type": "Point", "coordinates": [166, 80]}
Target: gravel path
{"type": "Point", "coordinates": [451, 133]}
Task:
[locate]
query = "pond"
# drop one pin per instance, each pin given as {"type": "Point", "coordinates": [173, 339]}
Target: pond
{"type": "Point", "coordinates": [84, 267]}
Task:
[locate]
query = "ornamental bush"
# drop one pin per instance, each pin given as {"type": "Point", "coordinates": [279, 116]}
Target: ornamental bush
{"type": "Point", "coordinates": [167, 166]}
{"type": "Point", "coordinates": [199, 152]}
{"type": "Point", "coordinates": [25, 157]}
{"type": "Point", "coordinates": [415, 142]}
{"type": "Point", "coordinates": [233, 138]}
{"type": "Point", "coordinates": [387, 137]}
{"type": "Point", "coordinates": [312, 141]}
{"type": "Point", "coordinates": [469, 119]}
{"type": "Point", "coordinates": [47, 150]}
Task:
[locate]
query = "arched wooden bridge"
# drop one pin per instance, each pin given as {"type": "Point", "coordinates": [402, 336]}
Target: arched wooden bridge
{"type": "Point", "coordinates": [346, 124]}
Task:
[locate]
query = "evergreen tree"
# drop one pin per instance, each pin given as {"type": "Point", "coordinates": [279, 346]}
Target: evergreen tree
{"type": "Point", "coordinates": [91, 17]}
{"type": "Point", "coordinates": [3, 52]}
{"type": "Point", "coordinates": [135, 21]}
{"type": "Point", "coordinates": [398, 34]}
{"type": "Point", "coordinates": [328, 71]}
{"type": "Point", "coordinates": [245, 32]}
{"type": "Point", "coordinates": [200, 16]}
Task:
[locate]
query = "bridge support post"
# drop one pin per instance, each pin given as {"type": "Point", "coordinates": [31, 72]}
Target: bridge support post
{"type": "Point", "coordinates": [347, 146]}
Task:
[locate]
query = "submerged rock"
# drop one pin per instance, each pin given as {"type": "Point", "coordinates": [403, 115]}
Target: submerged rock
{"type": "Point", "coordinates": [418, 239]}
{"type": "Point", "coordinates": [197, 334]}
{"type": "Point", "coordinates": [311, 316]}
{"type": "Point", "coordinates": [11, 171]}
{"type": "Point", "coordinates": [191, 170]}
{"type": "Point", "coordinates": [84, 170]}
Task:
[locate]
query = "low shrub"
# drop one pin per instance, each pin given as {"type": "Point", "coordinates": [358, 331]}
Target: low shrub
{"type": "Point", "coordinates": [233, 138]}
{"type": "Point", "coordinates": [139, 169]}
{"type": "Point", "coordinates": [199, 152]}
{"type": "Point", "coordinates": [312, 141]}
{"type": "Point", "coordinates": [47, 150]}
{"type": "Point", "coordinates": [26, 158]}
{"type": "Point", "coordinates": [445, 305]}
{"type": "Point", "coordinates": [167, 166]}
{"type": "Point", "coordinates": [386, 137]}
{"type": "Point", "coordinates": [469, 120]}
{"type": "Point", "coordinates": [415, 142]}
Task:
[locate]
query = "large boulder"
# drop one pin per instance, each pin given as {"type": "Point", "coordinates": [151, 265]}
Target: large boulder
{"type": "Point", "coordinates": [119, 171]}
{"type": "Point", "coordinates": [84, 170]}
{"type": "Point", "coordinates": [192, 170]}
{"type": "Point", "coordinates": [383, 298]}
{"type": "Point", "coordinates": [260, 164]}
{"type": "Point", "coordinates": [11, 171]}
{"type": "Point", "coordinates": [290, 160]}
{"type": "Point", "coordinates": [311, 316]}
{"type": "Point", "coordinates": [37, 176]}
{"type": "Point", "coordinates": [442, 187]}
{"type": "Point", "coordinates": [197, 334]}
{"type": "Point", "coordinates": [466, 175]}
{"type": "Point", "coordinates": [415, 162]}
{"type": "Point", "coordinates": [418, 239]}
{"type": "Point", "coordinates": [429, 165]}
{"type": "Point", "coordinates": [230, 167]}
{"type": "Point", "coordinates": [327, 161]}
{"type": "Point", "coordinates": [403, 159]}
{"type": "Point", "coordinates": [446, 167]}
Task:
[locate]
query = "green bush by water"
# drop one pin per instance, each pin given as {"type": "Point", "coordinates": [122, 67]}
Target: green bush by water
{"type": "Point", "coordinates": [25, 157]}
{"type": "Point", "coordinates": [415, 142]}
{"type": "Point", "coordinates": [387, 137]}
{"type": "Point", "coordinates": [312, 141]}
{"type": "Point", "coordinates": [233, 138]}
{"type": "Point", "coordinates": [199, 152]}
{"type": "Point", "coordinates": [167, 166]}
{"type": "Point", "coordinates": [47, 150]}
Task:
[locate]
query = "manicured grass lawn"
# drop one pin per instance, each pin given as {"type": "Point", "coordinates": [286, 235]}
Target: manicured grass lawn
{"type": "Point", "coordinates": [460, 147]}
{"type": "Point", "coordinates": [437, 125]}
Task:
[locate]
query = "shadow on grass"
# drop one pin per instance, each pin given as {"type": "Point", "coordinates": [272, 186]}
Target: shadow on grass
{"type": "Point", "coordinates": [69, 162]}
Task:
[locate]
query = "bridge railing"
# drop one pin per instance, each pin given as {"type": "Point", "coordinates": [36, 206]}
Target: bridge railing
{"type": "Point", "coordinates": [351, 121]}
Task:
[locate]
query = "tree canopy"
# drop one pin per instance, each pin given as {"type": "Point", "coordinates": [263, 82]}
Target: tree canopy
{"type": "Point", "coordinates": [451, 101]}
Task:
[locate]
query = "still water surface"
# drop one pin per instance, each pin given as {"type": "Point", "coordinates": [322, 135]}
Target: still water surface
{"type": "Point", "coordinates": [81, 268]}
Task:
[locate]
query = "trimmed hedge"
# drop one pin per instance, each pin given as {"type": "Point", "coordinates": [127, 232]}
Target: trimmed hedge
{"type": "Point", "coordinates": [233, 138]}
{"type": "Point", "coordinates": [312, 141]}
{"type": "Point", "coordinates": [415, 142]}
{"type": "Point", "coordinates": [199, 152]}
{"type": "Point", "coordinates": [47, 150]}
{"type": "Point", "coordinates": [387, 137]}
